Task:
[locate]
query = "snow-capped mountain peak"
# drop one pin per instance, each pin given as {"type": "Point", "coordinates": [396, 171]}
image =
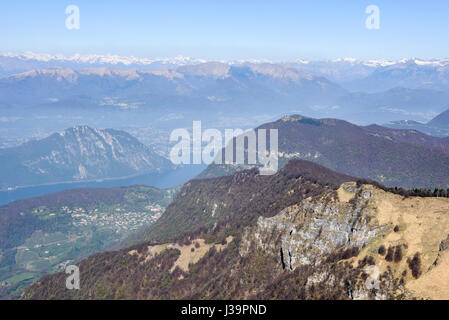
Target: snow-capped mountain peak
{"type": "Point", "coordinates": [101, 59]}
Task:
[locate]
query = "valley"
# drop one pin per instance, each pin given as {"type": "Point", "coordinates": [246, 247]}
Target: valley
{"type": "Point", "coordinates": [44, 235]}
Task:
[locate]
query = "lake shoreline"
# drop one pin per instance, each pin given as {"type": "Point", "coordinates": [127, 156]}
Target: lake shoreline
{"type": "Point", "coordinates": [165, 180]}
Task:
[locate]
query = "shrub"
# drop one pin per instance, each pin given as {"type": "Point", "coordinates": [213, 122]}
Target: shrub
{"type": "Point", "coordinates": [367, 260]}
{"type": "Point", "coordinates": [370, 261]}
{"type": "Point", "coordinates": [415, 265]}
{"type": "Point", "coordinates": [390, 254]}
{"type": "Point", "coordinates": [343, 254]}
{"type": "Point", "coordinates": [398, 254]}
{"type": "Point", "coordinates": [396, 229]}
{"type": "Point", "coordinates": [382, 250]}
{"type": "Point", "coordinates": [349, 253]}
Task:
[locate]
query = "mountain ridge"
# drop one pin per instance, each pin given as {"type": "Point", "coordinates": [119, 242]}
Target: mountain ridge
{"type": "Point", "coordinates": [396, 158]}
{"type": "Point", "coordinates": [77, 154]}
{"type": "Point", "coordinates": [440, 121]}
{"type": "Point", "coordinates": [316, 239]}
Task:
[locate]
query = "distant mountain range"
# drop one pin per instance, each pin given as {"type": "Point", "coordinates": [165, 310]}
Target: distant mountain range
{"type": "Point", "coordinates": [78, 154]}
{"type": "Point", "coordinates": [402, 158]}
{"type": "Point", "coordinates": [408, 73]}
{"type": "Point", "coordinates": [11, 63]}
{"type": "Point", "coordinates": [342, 69]}
{"type": "Point", "coordinates": [402, 72]}
{"type": "Point", "coordinates": [438, 126]}
{"type": "Point", "coordinates": [206, 85]}
{"type": "Point", "coordinates": [214, 89]}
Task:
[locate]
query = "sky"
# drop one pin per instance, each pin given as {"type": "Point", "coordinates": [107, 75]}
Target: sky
{"type": "Point", "coordinates": [229, 29]}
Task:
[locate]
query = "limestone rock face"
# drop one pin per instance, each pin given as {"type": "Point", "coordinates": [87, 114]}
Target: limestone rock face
{"type": "Point", "coordinates": [304, 234]}
{"type": "Point", "coordinates": [346, 228]}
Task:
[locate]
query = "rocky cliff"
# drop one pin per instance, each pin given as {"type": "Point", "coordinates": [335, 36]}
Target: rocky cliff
{"type": "Point", "coordinates": [399, 242]}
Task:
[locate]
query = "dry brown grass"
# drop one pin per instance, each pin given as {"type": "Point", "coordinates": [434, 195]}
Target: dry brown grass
{"type": "Point", "coordinates": [187, 256]}
{"type": "Point", "coordinates": [422, 224]}
{"type": "Point", "coordinates": [343, 195]}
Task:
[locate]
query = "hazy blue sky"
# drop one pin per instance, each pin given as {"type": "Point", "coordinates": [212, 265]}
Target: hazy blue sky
{"type": "Point", "coordinates": [228, 29]}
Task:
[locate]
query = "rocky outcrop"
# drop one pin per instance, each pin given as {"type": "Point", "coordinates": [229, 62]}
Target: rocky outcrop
{"type": "Point", "coordinates": [334, 240]}
{"type": "Point", "coordinates": [307, 233]}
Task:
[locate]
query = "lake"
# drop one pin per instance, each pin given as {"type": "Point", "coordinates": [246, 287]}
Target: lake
{"type": "Point", "coordinates": [160, 180]}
